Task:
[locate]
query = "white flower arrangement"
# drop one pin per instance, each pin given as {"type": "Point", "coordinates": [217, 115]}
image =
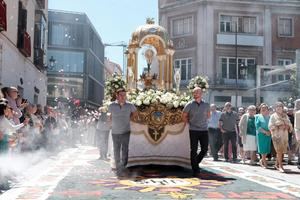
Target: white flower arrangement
{"type": "Point", "coordinates": [198, 81]}
{"type": "Point", "coordinates": [169, 99]}
{"type": "Point", "coordinates": [113, 84]}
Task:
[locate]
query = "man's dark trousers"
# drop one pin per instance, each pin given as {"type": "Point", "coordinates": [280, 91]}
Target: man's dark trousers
{"type": "Point", "coordinates": [195, 138]}
{"type": "Point", "coordinates": [215, 141]}
{"type": "Point", "coordinates": [121, 143]}
{"type": "Point", "coordinates": [230, 136]}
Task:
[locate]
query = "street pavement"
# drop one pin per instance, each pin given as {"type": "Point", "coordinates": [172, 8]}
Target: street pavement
{"type": "Point", "coordinates": [76, 173]}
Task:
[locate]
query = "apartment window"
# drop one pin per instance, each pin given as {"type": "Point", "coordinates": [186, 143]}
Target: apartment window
{"type": "Point", "coordinates": [35, 99]}
{"type": "Point", "coordinates": [222, 98]}
{"type": "Point", "coordinates": [62, 34]}
{"type": "Point", "coordinates": [183, 26]}
{"type": "Point", "coordinates": [95, 91]}
{"type": "Point", "coordinates": [65, 86]}
{"type": "Point", "coordinates": [228, 68]}
{"type": "Point", "coordinates": [22, 19]}
{"type": "Point", "coordinates": [95, 67]}
{"type": "Point", "coordinates": [285, 27]}
{"type": "Point", "coordinates": [68, 61]}
{"type": "Point", "coordinates": [40, 31]}
{"type": "Point", "coordinates": [244, 24]}
{"type": "Point", "coordinates": [185, 66]}
{"type": "Point", "coordinates": [250, 100]}
{"type": "Point", "coordinates": [283, 62]}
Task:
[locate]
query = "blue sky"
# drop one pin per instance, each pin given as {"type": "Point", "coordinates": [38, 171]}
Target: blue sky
{"type": "Point", "coordinates": [114, 20]}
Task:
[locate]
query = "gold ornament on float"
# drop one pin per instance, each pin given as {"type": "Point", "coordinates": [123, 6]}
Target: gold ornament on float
{"type": "Point", "coordinates": [157, 116]}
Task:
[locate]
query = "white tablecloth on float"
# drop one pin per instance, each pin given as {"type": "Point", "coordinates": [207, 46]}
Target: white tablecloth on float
{"type": "Point", "coordinates": [173, 150]}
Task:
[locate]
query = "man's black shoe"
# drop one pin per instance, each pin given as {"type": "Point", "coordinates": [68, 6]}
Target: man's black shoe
{"type": "Point", "coordinates": [196, 174]}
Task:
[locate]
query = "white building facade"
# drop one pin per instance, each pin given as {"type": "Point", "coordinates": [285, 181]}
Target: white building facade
{"type": "Point", "coordinates": [111, 68]}
{"type": "Point", "coordinates": [23, 42]}
{"type": "Point", "coordinates": [226, 40]}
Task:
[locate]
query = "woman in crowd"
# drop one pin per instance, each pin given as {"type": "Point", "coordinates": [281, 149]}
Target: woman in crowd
{"type": "Point", "coordinates": [239, 139]}
{"type": "Point", "coordinates": [248, 132]}
{"type": "Point", "coordinates": [11, 94]}
{"type": "Point", "coordinates": [263, 133]}
{"type": "Point", "coordinates": [280, 126]}
{"type": "Point", "coordinates": [39, 113]}
{"type": "Point", "coordinates": [7, 129]}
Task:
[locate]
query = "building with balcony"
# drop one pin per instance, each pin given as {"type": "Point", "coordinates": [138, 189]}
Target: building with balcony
{"type": "Point", "coordinates": [227, 40]}
{"type": "Point", "coordinates": [23, 41]}
{"type": "Point", "coordinates": [76, 52]}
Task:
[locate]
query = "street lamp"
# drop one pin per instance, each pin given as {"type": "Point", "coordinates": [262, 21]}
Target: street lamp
{"type": "Point", "coordinates": [243, 69]}
{"type": "Point", "coordinates": [51, 62]}
{"type": "Point", "coordinates": [237, 67]}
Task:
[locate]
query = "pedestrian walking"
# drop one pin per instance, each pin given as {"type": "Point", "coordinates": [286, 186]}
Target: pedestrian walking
{"type": "Point", "coordinates": [263, 133]}
{"type": "Point", "coordinates": [227, 123]}
{"type": "Point", "coordinates": [214, 133]}
{"type": "Point", "coordinates": [290, 114]}
{"type": "Point", "coordinates": [248, 133]}
{"type": "Point", "coordinates": [240, 150]}
{"type": "Point", "coordinates": [197, 113]}
{"type": "Point", "coordinates": [102, 129]}
{"type": "Point", "coordinates": [121, 112]}
{"type": "Point", "coordinates": [297, 128]}
{"type": "Point", "coordinates": [280, 125]}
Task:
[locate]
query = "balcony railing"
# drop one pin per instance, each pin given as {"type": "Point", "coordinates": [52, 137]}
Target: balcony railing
{"type": "Point", "coordinates": [242, 40]}
{"type": "Point", "coordinates": [3, 22]}
{"type": "Point", "coordinates": [242, 83]}
{"type": "Point", "coordinates": [41, 3]}
{"type": "Point", "coordinates": [25, 44]}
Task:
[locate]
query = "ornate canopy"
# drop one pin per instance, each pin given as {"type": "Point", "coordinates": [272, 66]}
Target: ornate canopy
{"type": "Point", "coordinates": [156, 36]}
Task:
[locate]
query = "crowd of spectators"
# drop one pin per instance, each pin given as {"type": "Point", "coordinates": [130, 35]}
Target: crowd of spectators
{"type": "Point", "coordinates": [256, 135]}
{"type": "Point", "coordinates": [25, 126]}
{"type": "Point", "coordinates": [29, 128]}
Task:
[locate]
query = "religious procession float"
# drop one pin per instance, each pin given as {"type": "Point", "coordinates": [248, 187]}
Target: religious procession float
{"type": "Point", "coordinates": [158, 134]}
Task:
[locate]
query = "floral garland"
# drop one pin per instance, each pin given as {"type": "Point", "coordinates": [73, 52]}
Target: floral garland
{"type": "Point", "coordinates": [198, 81]}
{"type": "Point", "coordinates": [113, 84]}
{"type": "Point", "coordinates": [169, 99]}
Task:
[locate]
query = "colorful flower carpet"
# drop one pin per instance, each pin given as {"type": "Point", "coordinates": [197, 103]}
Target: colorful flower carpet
{"type": "Point", "coordinates": [78, 174]}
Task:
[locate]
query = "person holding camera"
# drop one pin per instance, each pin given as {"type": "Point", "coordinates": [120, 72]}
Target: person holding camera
{"type": "Point", "coordinates": [11, 94]}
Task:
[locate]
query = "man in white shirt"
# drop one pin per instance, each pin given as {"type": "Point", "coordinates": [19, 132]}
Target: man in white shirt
{"type": "Point", "coordinates": [214, 133]}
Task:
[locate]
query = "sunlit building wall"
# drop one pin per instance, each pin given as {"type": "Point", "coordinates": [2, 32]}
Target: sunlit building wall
{"type": "Point", "coordinates": [111, 68]}
{"type": "Point", "coordinates": [215, 38]}
{"type": "Point", "coordinates": [78, 54]}
{"type": "Point", "coordinates": [23, 45]}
